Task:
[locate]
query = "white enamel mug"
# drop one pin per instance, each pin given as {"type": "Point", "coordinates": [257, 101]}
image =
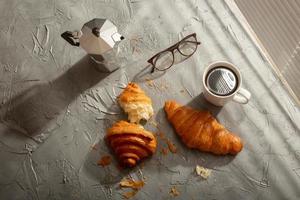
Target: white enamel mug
{"type": "Point", "coordinates": [239, 95]}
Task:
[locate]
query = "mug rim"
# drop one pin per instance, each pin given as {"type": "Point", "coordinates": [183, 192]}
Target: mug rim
{"type": "Point", "coordinates": [222, 64]}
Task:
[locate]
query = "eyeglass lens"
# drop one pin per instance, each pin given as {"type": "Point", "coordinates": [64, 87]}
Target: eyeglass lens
{"type": "Point", "coordinates": [186, 47]}
{"type": "Point", "coordinates": [164, 60]}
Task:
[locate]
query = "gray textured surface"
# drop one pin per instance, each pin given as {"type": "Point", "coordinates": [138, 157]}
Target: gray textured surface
{"type": "Point", "coordinates": [55, 106]}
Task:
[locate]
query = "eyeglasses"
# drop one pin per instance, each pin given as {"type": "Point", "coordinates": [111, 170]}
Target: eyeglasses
{"type": "Point", "coordinates": [165, 59]}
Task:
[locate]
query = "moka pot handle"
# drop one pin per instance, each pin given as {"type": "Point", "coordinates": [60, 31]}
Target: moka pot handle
{"type": "Point", "coordinates": [69, 37]}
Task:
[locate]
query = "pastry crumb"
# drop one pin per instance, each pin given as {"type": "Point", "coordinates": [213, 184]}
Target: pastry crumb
{"type": "Point", "coordinates": [164, 151]}
{"type": "Point", "coordinates": [174, 192]}
{"type": "Point", "coordinates": [163, 87]}
{"type": "Point", "coordinates": [104, 160]}
{"type": "Point", "coordinates": [203, 172]}
{"type": "Point", "coordinates": [134, 185]}
{"type": "Point", "coordinates": [161, 135]}
{"type": "Point", "coordinates": [128, 183]}
{"type": "Point", "coordinates": [172, 146]}
{"type": "Point", "coordinates": [142, 165]}
{"type": "Point", "coordinates": [130, 194]}
{"type": "Point", "coordinates": [150, 82]}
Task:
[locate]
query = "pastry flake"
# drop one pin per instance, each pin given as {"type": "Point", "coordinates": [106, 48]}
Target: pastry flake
{"type": "Point", "coordinates": [203, 172]}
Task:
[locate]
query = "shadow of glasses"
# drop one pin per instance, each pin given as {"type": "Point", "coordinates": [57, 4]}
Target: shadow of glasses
{"type": "Point", "coordinates": [146, 74]}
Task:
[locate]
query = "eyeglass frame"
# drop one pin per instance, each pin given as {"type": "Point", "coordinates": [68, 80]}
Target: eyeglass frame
{"type": "Point", "coordinates": [171, 49]}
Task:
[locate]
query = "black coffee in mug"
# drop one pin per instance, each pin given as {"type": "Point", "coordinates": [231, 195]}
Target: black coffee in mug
{"type": "Point", "coordinates": [221, 81]}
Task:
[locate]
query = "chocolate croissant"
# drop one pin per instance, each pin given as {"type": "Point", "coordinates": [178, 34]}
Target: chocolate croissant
{"type": "Point", "coordinates": [200, 130]}
{"type": "Point", "coordinates": [135, 103]}
{"type": "Point", "coordinates": [130, 142]}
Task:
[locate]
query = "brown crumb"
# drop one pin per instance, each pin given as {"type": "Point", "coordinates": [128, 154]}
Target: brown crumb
{"type": "Point", "coordinates": [171, 146]}
{"type": "Point", "coordinates": [142, 165]}
{"type": "Point", "coordinates": [181, 91]}
{"type": "Point", "coordinates": [164, 151]}
{"type": "Point", "coordinates": [174, 192]}
{"type": "Point", "coordinates": [163, 87]}
{"type": "Point", "coordinates": [150, 82]}
{"type": "Point", "coordinates": [128, 195]}
{"type": "Point", "coordinates": [161, 135]}
{"type": "Point", "coordinates": [120, 167]}
{"type": "Point", "coordinates": [104, 160]}
{"type": "Point", "coordinates": [128, 183]}
{"type": "Point", "coordinates": [134, 185]}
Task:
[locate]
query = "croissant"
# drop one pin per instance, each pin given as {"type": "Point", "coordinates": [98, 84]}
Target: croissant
{"type": "Point", "coordinates": [200, 130]}
{"type": "Point", "coordinates": [130, 142]}
{"type": "Point", "coordinates": [135, 103]}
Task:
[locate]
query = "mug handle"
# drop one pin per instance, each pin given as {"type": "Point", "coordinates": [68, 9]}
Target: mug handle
{"type": "Point", "coordinates": [242, 96]}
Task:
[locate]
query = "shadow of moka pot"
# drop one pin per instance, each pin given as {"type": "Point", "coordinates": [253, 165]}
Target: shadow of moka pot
{"type": "Point", "coordinates": [100, 39]}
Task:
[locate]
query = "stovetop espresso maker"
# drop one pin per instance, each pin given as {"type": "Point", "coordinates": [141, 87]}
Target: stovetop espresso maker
{"type": "Point", "coordinates": [98, 38]}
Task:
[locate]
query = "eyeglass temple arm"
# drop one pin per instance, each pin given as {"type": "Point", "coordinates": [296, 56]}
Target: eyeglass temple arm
{"type": "Point", "coordinates": [153, 69]}
{"type": "Point", "coordinates": [152, 65]}
{"type": "Point", "coordinates": [196, 42]}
